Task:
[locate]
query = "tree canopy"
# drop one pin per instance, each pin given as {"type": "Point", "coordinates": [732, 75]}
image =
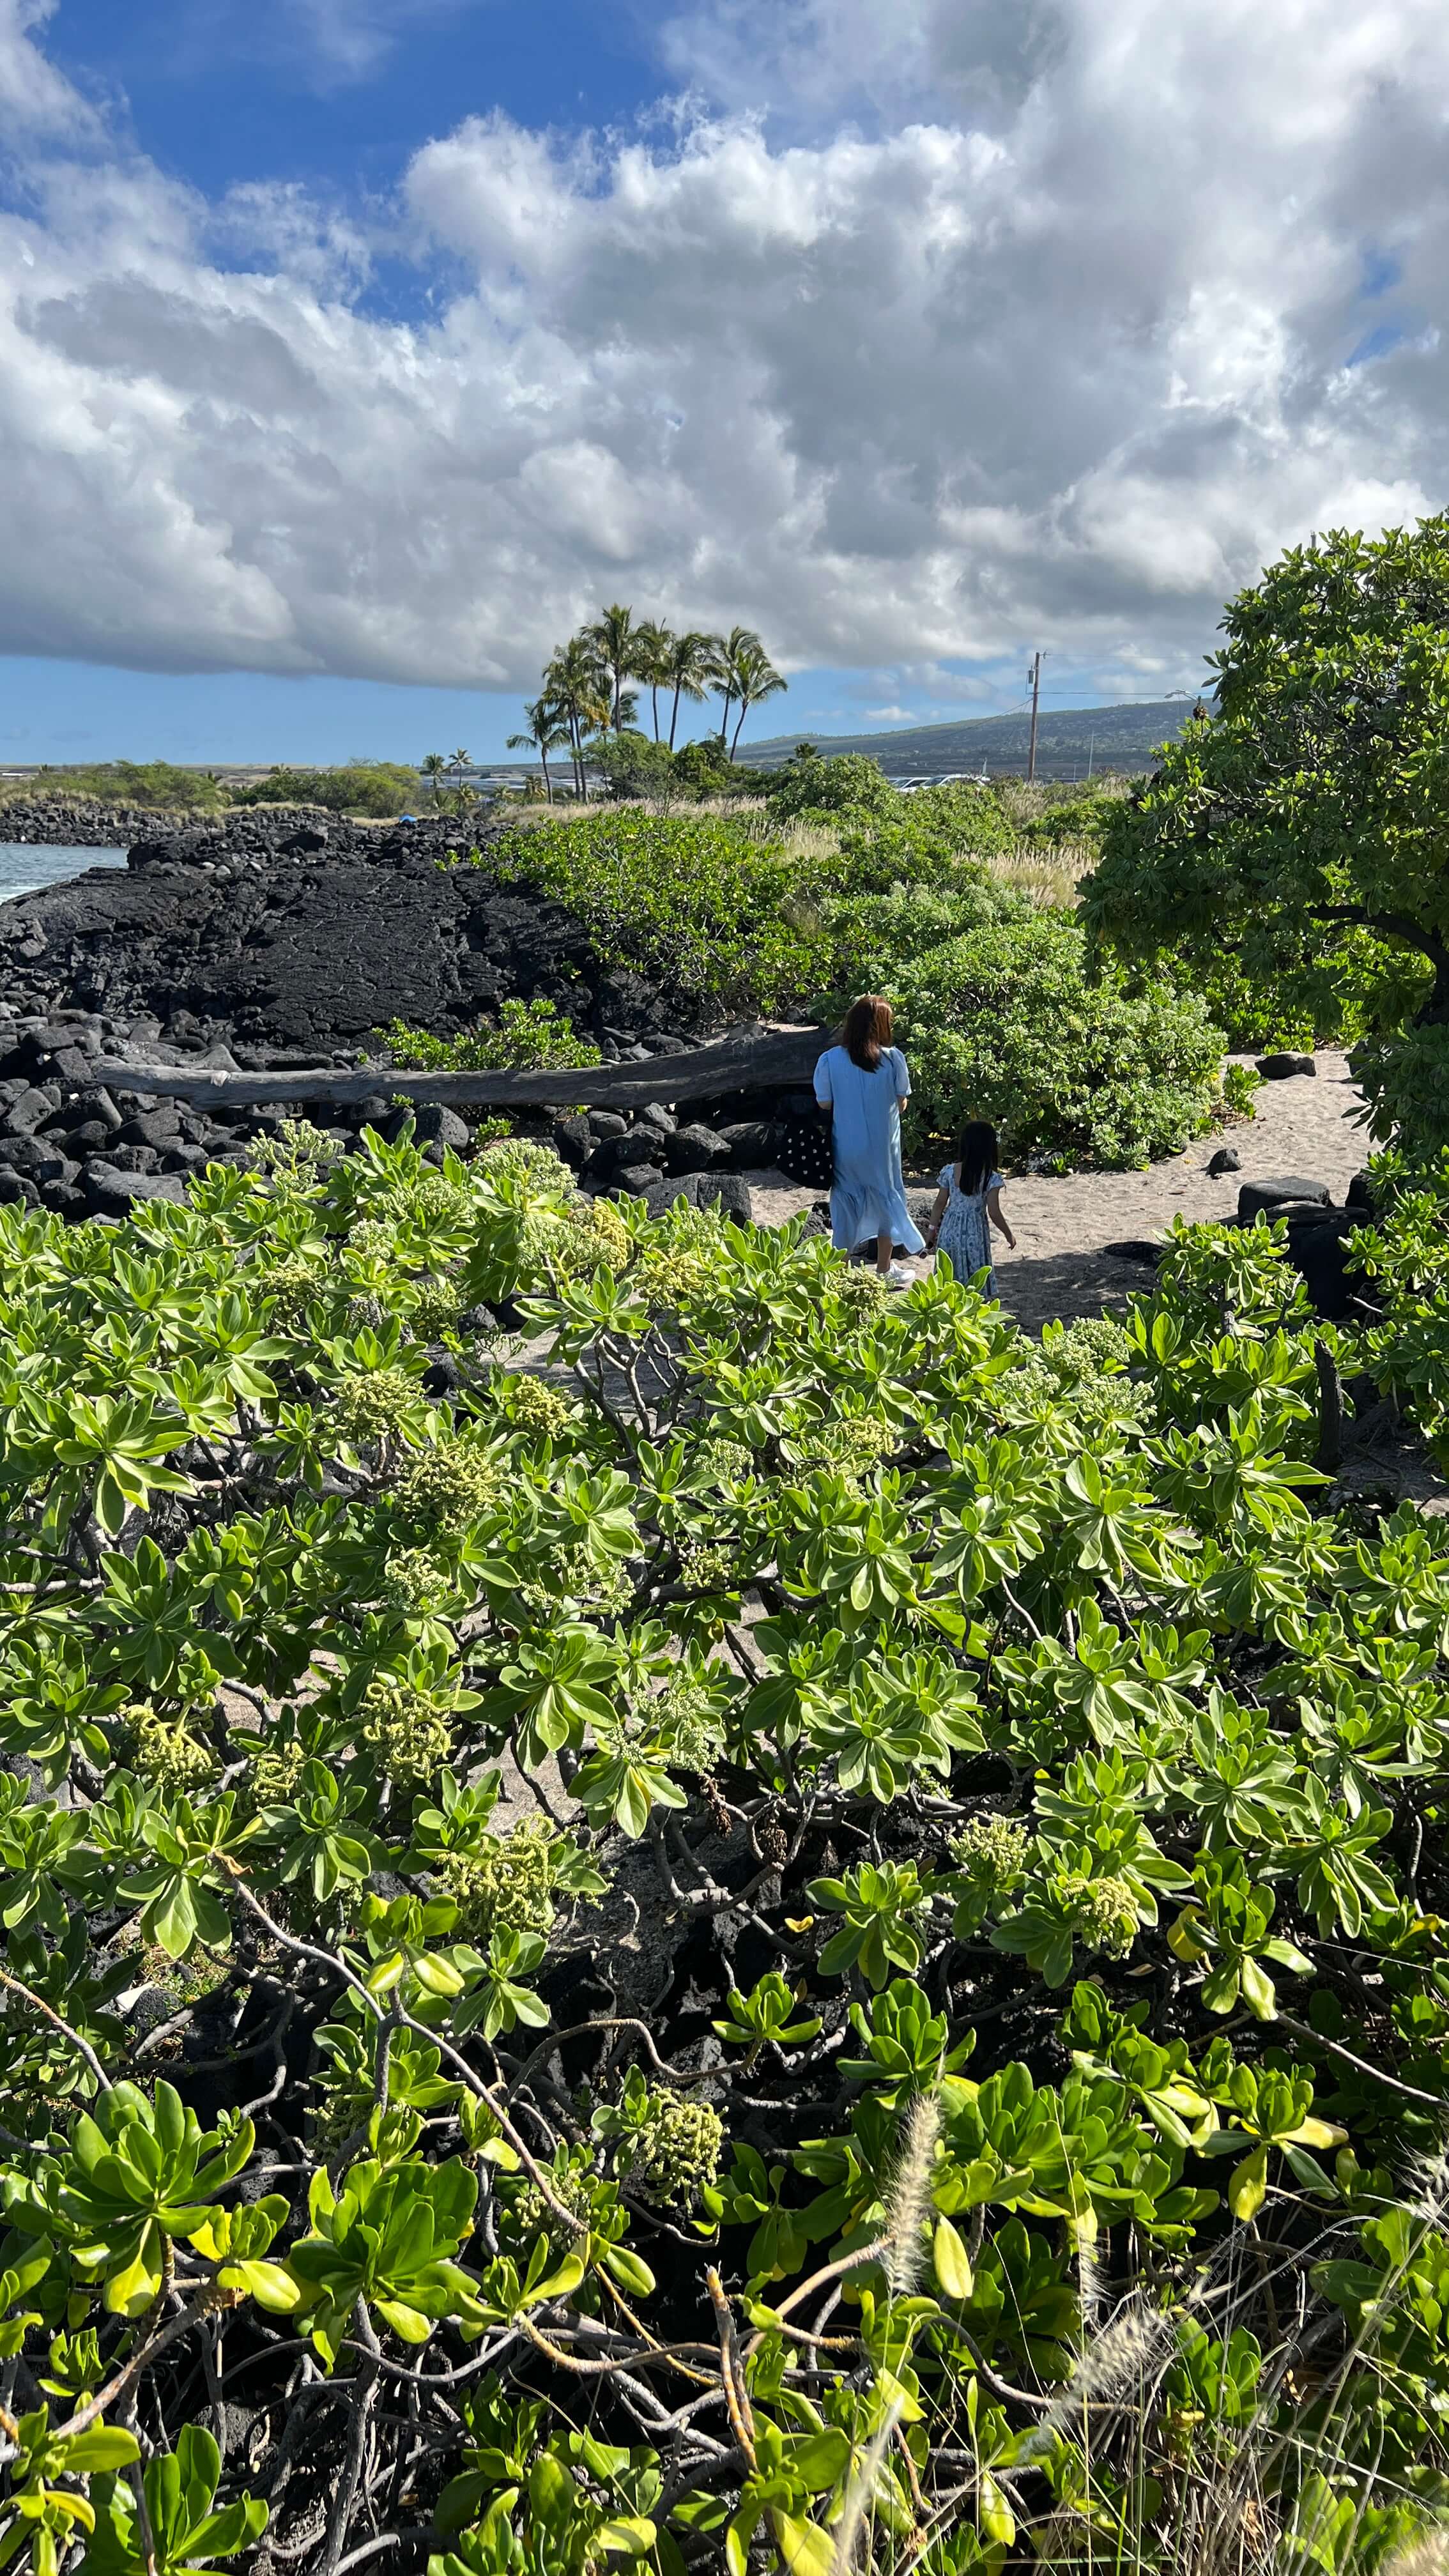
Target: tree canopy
{"type": "Point", "coordinates": [1301, 827]}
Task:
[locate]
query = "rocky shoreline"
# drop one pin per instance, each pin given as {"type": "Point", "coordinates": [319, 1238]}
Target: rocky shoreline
{"type": "Point", "coordinates": [265, 940]}
{"type": "Point", "coordinates": [81, 823]}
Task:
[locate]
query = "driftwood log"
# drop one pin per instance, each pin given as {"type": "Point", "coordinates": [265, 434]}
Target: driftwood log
{"type": "Point", "coordinates": [766, 1062]}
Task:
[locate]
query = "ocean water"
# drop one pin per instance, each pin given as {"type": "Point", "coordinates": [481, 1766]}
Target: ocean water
{"type": "Point", "coordinates": [25, 866]}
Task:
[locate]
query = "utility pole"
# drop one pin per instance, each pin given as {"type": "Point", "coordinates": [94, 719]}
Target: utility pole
{"type": "Point", "coordinates": [1033, 682]}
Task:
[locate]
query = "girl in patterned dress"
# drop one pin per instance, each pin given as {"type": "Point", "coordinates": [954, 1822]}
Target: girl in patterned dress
{"type": "Point", "coordinates": [968, 1204]}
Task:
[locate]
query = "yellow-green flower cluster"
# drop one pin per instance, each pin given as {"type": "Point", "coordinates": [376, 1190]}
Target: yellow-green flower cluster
{"type": "Point", "coordinates": [408, 1732]}
{"type": "Point", "coordinates": [687, 1722]}
{"type": "Point", "coordinates": [1106, 1912]}
{"type": "Point", "coordinates": [574, 1574]}
{"type": "Point", "coordinates": [415, 1583]}
{"type": "Point", "coordinates": [505, 1882]}
{"type": "Point", "coordinates": [532, 1405]}
{"type": "Point", "coordinates": [451, 1486]}
{"type": "Point", "coordinates": [711, 1569]}
{"type": "Point", "coordinates": [162, 1748]}
{"type": "Point", "coordinates": [992, 1850]}
{"type": "Point", "coordinates": [848, 1447]}
{"type": "Point", "coordinates": [276, 1774]}
{"type": "Point", "coordinates": [292, 1286]}
{"type": "Point", "coordinates": [439, 1303]}
{"type": "Point", "coordinates": [676, 2156]}
{"type": "Point", "coordinates": [671, 1275]}
{"type": "Point", "coordinates": [373, 1402]}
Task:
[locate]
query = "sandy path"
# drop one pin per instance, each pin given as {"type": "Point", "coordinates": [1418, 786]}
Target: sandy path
{"type": "Point", "coordinates": [1060, 1266]}
{"type": "Point", "coordinates": [1303, 1127]}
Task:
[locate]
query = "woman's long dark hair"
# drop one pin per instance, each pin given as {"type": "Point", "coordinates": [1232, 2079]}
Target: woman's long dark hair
{"type": "Point", "coordinates": [865, 1032]}
{"type": "Point", "coordinates": [976, 1156]}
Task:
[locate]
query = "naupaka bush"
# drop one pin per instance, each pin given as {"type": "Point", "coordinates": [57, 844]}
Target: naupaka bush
{"type": "Point", "coordinates": [936, 2028]}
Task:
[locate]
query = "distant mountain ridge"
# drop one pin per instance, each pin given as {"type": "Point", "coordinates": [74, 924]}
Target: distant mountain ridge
{"type": "Point", "coordinates": [1069, 742]}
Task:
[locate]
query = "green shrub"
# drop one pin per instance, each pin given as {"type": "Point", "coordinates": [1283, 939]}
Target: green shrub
{"type": "Point", "coordinates": [696, 902]}
{"type": "Point", "coordinates": [1003, 1023]}
{"type": "Point", "coordinates": [376, 788]}
{"type": "Point", "coordinates": [527, 1037]}
{"type": "Point", "coordinates": [996, 1005]}
{"type": "Point", "coordinates": [1300, 828]}
{"type": "Point", "coordinates": [1241, 1086]}
{"type": "Point", "coordinates": [155, 783]}
{"type": "Point", "coordinates": [1081, 2122]}
{"type": "Point", "coordinates": [853, 784]}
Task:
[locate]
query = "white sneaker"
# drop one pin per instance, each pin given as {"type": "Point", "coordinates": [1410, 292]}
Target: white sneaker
{"type": "Point", "coordinates": [899, 1277]}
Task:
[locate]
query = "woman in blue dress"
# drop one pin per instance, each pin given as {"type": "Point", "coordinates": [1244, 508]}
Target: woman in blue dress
{"type": "Point", "coordinates": [863, 1080]}
{"type": "Point", "coordinates": [968, 1205]}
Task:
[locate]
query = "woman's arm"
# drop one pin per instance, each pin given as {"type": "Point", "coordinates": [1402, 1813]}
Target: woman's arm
{"type": "Point", "coordinates": [993, 1210]}
{"type": "Point", "coordinates": [933, 1221]}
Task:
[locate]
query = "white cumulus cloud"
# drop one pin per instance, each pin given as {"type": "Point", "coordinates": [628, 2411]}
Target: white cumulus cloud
{"type": "Point", "coordinates": [939, 328]}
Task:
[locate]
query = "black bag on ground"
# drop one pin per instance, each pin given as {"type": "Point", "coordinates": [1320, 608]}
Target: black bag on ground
{"type": "Point", "coordinates": [807, 1145]}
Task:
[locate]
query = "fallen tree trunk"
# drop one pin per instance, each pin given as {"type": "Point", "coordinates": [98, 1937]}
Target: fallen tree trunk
{"type": "Point", "coordinates": [754, 1063]}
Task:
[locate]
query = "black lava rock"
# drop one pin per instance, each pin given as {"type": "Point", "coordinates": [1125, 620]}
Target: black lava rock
{"type": "Point", "coordinates": [434, 1124]}
{"type": "Point", "coordinates": [752, 1142]}
{"type": "Point", "coordinates": [112, 1193]}
{"type": "Point", "coordinates": [722, 1190]}
{"type": "Point", "coordinates": [571, 1141]}
{"type": "Point", "coordinates": [695, 1149]}
{"type": "Point", "coordinates": [1266, 1197]}
{"type": "Point", "coordinates": [1280, 1067]}
{"type": "Point", "coordinates": [1224, 1160]}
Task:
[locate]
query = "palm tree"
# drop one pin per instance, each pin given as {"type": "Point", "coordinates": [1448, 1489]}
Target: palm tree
{"type": "Point", "coordinates": [460, 763]}
{"type": "Point", "coordinates": [576, 685]}
{"type": "Point", "coordinates": [688, 672]}
{"type": "Point", "coordinates": [755, 678]}
{"type": "Point", "coordinates": [653, 646]}
{"type": "Point", "coordinates": [615, 638]}
{"type": "Point", "coordinates": [435, 770]}
{"type": "Point", "coordinates": [722, 672]}
{"type": "Point", "coordinates": [545, 734]}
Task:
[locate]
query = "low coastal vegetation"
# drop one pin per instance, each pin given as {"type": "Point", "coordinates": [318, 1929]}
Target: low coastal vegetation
{"type": "Point", "coordinates": [368, 788]}
{"type": "Point", "coordinates": [838, 884]}
{"type": "Point", "coordinates": [952, 2068]}
{"type": "Point", "coordinates": [157, 786]}
{"type": "Point", "coordinates": [666, 1911]}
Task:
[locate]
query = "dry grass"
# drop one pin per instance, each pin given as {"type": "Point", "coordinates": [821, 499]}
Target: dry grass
{"type": "Point", "coordinates": [1025, 801]}
{"type": "Point", "coordinates": [1048, 876]}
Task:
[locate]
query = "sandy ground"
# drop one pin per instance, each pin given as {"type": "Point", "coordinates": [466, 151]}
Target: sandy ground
{"type": "Point", "coordinates": [1305, 1127]}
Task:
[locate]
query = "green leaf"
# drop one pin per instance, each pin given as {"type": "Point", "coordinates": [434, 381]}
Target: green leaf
{"type": "Point", "coordinates": [1248, 2185]}
{"type": "Point", "coordinates": [106, 2446]}
{"type": "Point", "coordinates": [953, 2263]}
{"type": "Point", "coordinates": [628, 2269]}
{"type": "Point", "coordinates": [805, 2548]}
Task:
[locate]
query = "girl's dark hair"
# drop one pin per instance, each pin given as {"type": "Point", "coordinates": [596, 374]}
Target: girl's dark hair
{"type": "Point", "coordinates": [865, 1032]}
{"type": "Point", "coordinates": [976, 1154]}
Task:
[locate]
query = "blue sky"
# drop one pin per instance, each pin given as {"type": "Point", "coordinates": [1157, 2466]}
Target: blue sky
{"type": "Point", "coordinates": [338, 93]}
{"type": "Point", "coordinates": [352, 351]}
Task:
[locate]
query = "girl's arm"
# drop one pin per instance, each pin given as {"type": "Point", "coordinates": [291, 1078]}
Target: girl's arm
{"type": "Point", "coordinates": [933, 1221]}
{"type": "Point", "coordinates": [993, 1210]}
